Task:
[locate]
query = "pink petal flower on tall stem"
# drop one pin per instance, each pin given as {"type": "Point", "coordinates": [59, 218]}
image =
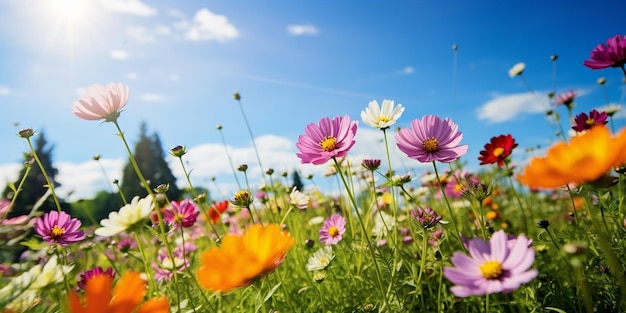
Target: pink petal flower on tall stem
{"type": "Point", "coordinates": [611, 54]}
{"type": "Point", "coordinates": [101, 102]}
{"type": "Point", "coordinates": [327, 139]}
{"type": "Point", "coordinates": [333, 229]}
{"type": "Point", "coordinates": [499, 265]}
{"type": "Point", "coordinates": [431, 139]}
{"type": "Point", "coordinates": [59, 227]}
{"type": "Point", "coordinates": [181, 214]}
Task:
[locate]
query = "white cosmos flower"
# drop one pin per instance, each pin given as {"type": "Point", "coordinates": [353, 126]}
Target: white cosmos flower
{"type": "Point", "coordinates": [320, 259]}
{"type": "Point", "coordinates": [381, 117]}
{"type": "Point", "coordinates": [517, 69]}
{"type": "Point", "coordinates": [299, 199]}
{"type": "Point", "coordinates": [128, 215]}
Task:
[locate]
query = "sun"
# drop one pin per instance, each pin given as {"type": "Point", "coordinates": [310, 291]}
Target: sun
{"type": "Point", "coordinates": [69, 13]}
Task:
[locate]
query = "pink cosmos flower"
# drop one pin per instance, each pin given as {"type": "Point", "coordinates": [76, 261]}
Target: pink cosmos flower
{"type": "Point", "coordinates": [96, 271]}
{"type": "Point", "coordinates": [611, 54]}
{"type": "Point", "coordinates": [565, 98]}
{"type": "Point", "coordinates": [328, 139]}
{"type": "Point", "coordinates": [183, 213]}
{"type": "Point", "coordinates": [500, 265]}
{"type": "Point", "coordinates": [585, 122]}
{"type": "Point", "coordinates": [101, 102]}
{"type": "Point", "coordinates": [59, 227]}
{"type": "Point", "coordinates": [431, 139]}
{"type": "Point", "coordinates": [333, 229]}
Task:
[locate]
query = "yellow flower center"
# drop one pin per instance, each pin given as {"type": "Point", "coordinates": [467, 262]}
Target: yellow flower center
{"type": "Point", "coordinates": [57, 231]}
{"type": "Point", "coordinates": [431, 144]}
{"type": "Point", "coordinates": [324, 260]}
{"type": "Point", "coordinates": [491, 269]}
{"type": "Point", "coordinates": [328, 144]}
{"type": "Point", "coordinates": [458, 188]}
{"type": "Point", "coordinates": [333, 231]}
{"type": "Point", "coordinates": [498, 151]}
{"type": "Point", "coordinates": [590, 122]}
{"type": "Point", "coordinates": [383, 119]}
{"type": "Point", "coordinates": [179, 217]}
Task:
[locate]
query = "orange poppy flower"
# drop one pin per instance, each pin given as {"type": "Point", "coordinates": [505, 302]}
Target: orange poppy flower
{"type": "Point", "coordinates": [128, 296]}
{"type": "Point", "coordinates": [240, 260]}
{"type": "Point", "coordinates": [586, 158]}
{"type": "Point", "coordinates": [216, 210]}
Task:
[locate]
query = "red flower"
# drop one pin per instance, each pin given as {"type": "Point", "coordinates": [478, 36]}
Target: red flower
{"type": "Point", "coordinates": [216, 210]}
{"type": "Point", "coordinates": [497, 150]}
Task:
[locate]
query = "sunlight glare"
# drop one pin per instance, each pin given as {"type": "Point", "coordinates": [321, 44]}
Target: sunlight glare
{"type": "Point", "coordinates": [71, 13]}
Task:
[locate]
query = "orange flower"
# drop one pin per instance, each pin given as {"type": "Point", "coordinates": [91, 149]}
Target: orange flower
{"type": "Point", "coordinates": [127, 296]}
{"type": "Point", "coordinates": [585, 159]}
{"type": "Point", "coordinates": [242, 259]}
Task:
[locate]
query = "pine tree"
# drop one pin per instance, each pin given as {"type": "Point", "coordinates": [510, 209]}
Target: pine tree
{"type": "Point", "coordinates": [151, 162]}
{"type": "Point", "coordinates": [34, 185]}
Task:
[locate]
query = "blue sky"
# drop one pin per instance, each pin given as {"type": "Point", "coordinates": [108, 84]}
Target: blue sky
{"type": "Point", "coordinates": [293, 62]}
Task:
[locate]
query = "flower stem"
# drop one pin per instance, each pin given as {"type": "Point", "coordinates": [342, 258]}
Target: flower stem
{"type": "Point", "coordinates": [49, 183]}
{"type": "Point", "coordinates": [365, 235]}
{"type": "Point", "coordinates": [256, 151]}
{"type": "Point", "coordinates": [457, 234]}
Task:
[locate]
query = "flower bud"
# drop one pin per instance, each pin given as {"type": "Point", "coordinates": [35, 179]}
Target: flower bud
{"type": "Point", "coordinates": [543, 223]}
{"type": "Point", "coordinates": [162, 188]}
{"type": "Point", "coordinates": [601, 81]}
{"type": "Point", "coordinates": [219, 126]}
{"type": "Point", "coordinates": [178, 151]}
{"type": "Point", "coordinates": [371, 164]}
{"type": "Point", "coordinates": [269, 171]}
{"type": "Point", "coordinates": [554, 57]}
{"type": "Point", "coordinates": [237, 96]}
{"type": "Point", "coordinates": [26, 132]}
{"type": "Point", "coordinates": [242, 198]}
{"type": "Point", "coordinates": [243, 167]}
{"type": "Point", "coordinates": [96, 157]}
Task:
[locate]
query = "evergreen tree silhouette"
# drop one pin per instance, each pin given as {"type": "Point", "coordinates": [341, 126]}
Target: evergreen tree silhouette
{"type": "Point", "coordinates": [151, 162]}
{"type": "Point", "coordinates": [34, 185]}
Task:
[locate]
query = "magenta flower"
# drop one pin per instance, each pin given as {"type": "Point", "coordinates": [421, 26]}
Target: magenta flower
{"type": "Point", "coordinates": [565, 98]}
{"type": "Point", "coordinates": [328, 139]}
{"type": "Point", "coordinates": [96, 271]}
{"type": "Point", "coordinates": [101, 102]}
{"type": "Point", "coordinates": [427, 217]}
{"type": "Point", "coordinates": [585, 122]}
{"type": "Point", "coordinates": [431, 139]}
{"type": "Point", "coordinates": [183, 213]}
{"type": "Point", "coordinates": [59, 227]}
{"type": "Point", "coordinates": [611, 54]}
{"type": "Point", "coordinates": [333, 229]}
{"type": "Point", "coordinates": [499, 265]}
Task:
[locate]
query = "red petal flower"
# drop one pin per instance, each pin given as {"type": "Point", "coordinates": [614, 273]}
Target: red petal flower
{"type": "Point", "coordinates": [497, 150]}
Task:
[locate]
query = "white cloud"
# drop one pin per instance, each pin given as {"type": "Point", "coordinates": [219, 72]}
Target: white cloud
{"type": "Point", "coordinates": [152, 97]}
{"type": "Point", "coordinates": [209, 26]}
{"type": "Point", "coordinates": [504, 108]}
{"type": "Point", "coordinates": [134, 7]}
{"type": "Point", "coordinates": [132, 75]}
{"type": "Point", "coordinates": [9, 173]}
{"type": "Point", "coordinates": [299, 30]}
{"type": "Point", "coordinates": [407, 70]}
{"type": "Point", "coordinates": [4, 90]}
{"type": "Point", "coordinates": [119, 54]}
{"type": "Point", "coordinates": [84, 180]}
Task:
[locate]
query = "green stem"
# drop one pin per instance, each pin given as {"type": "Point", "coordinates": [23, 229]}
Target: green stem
{"type": "Point", "coordinates": [256, 151]}
{"type": "Point", "coordinates": [457, 233]}
{"type": "Point", "coordinates": [45, 175]}
{"type": "Point", "coordinates": [422, 261]}
{"type": "Point", "coordinates": [370, 244]}
{"type": "Point", "coordinates": [230, 160]}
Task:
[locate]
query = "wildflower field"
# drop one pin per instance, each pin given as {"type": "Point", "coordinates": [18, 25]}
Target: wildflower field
{"type": "Point", "coordinates": [547, 236]}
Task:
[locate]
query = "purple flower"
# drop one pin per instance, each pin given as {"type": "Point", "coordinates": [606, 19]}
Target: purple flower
{"type": "Point", "coordinates": [59, 227]}
{"type": "Point", "coordinates": [431, 139]}
{"type": "Point", "coordinates": [499, 265]}
{"type": "Point", "coordinates": [96, 271]}
{"type": "Point", "coordinates": [183, 213]}
{"type": "Point", "coordinates": [611, 54]}
{"type": "Point", "coordinates": [585, 122]}
{"type": "Point", "coordinates": [427, 217]}
{"type": "Point", "coordinates": [333, 229]}
{"type": "Point", "coordinates": [328, 139]}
